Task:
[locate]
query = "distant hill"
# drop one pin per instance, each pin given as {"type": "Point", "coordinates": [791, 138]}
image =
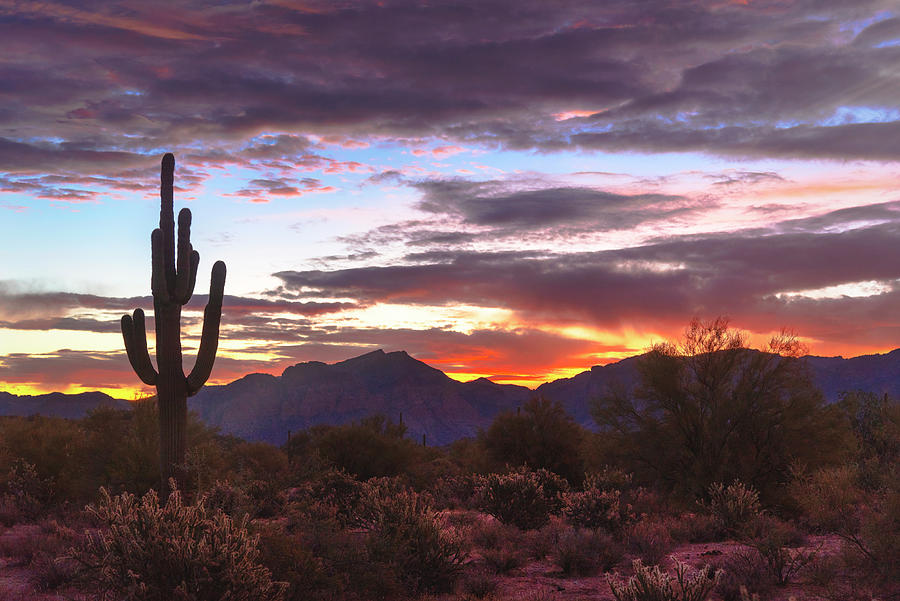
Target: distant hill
{"type": "Point", "coordinates": [833, 375]}
{"type": "Point", "coordinates": [57, 404]}
{"type": "Point", "coordinates": [265, 407]}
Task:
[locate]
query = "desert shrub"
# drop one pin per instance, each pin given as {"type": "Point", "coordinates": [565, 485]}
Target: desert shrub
{"type": "Point", "coordinates": [650, 540]}
{"type": "Point", "coordinates": [228, 498]}
{"type": "Point", "coordinates": [877, 543]}
{"type": "Point", "coordinates": [582, 552]}
{"type": "Point", "coordinates": [746, 570]}
{"type": "Point", "coordinates": [292, 561]}
{"type": "Point", "coordinates": [339, 489]}
{"type": "Point", "coordinates": [454, 491]}
{"type": "Point", "coordinates": [771, 530]}
{"type": "Point", "coordinates": [829, 498]}
{"type": "Point", "coordinates": [49, 572]}
{"type": "Point", "coordinates": [26, 494]}
{"type": "Point", "coordinates": [608, 478]}
{"type": "Point", "coordinates": [543, 541]}
{"type": "Point", "coordinates": [867, 521]}
{"type": "Point", "coordinates": [875, 423]}
{"type": "Point", "coordinates": [43, 548]}
{"type": "Point", "coordinates": [175, 551]}
{"type": "Point", "coordinates": [734, 505]}
{"type": "Point", "coordinates": [479, 585]}
{"type": "Point", "coordinates": [695, 528]}
{"type": "Point", "coordinates": [555, 487]}
{"type": "Point", "coordinates": [27, 542]}
{"type": "Point", "coordinates": [772, 549]}
{"type": "Point", "coordinates": [523, 498]}
{"type": "Point", "coordinates": [503, 559]}
{"type": "Point", "coordinates": [405, 533]}
{"type": "Point", "coordinates": [597, 508]}
{"type": "Point", "coordinates": [653, 584]}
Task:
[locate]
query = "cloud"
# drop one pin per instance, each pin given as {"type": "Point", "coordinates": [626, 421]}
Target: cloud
{"type": "Point", "coordinates": [755, 79]}
{"type": "Point", "coordinates": [494, 204]}
{"type": "Point", "coordinates": [661, 282]}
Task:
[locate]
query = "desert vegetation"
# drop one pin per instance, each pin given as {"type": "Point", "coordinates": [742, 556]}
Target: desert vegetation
{"type": "Point", "coordinates": [728, 479]}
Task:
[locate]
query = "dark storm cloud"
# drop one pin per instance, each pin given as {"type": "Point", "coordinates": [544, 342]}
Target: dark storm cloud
{"type": "Point", "coordinates": [43, 310]}
{"type": "Point", "coordinates": [737, 274]}
{"type": "Point", "coordinates": [492, 204]}
{"type": "Point", "coordinates": [65, 367]}
{"type": "Point", "coordinates": [767, 79]}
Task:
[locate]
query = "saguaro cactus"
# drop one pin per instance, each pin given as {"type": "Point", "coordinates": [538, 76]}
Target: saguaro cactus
{"type": "Point", "coordinates": [172, 284]}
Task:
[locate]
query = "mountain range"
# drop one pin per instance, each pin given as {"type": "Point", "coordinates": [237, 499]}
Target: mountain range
{"type": "Point", "coordinates": [265, 407]}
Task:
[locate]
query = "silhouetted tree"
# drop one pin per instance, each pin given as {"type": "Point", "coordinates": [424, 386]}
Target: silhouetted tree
{"type": "Point", "coordinates": [541, 435]}
{"type": "Point", "coordinates": [709, 409]}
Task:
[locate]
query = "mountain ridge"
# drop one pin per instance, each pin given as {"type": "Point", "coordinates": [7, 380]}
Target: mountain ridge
{"type": "Point", "coordinates": [261, 406]}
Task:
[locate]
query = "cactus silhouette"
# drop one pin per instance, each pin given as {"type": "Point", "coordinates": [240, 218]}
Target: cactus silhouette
{"type": "Point", "coordinates": [172, 284]}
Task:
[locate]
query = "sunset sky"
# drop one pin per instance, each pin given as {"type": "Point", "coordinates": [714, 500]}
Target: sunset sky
{"type": "Point", "coordinates": [516, 189]}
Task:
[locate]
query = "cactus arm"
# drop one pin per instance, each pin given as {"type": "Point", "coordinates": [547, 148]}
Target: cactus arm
{"type": "Point", "coordinates": [135, 335]}
{"type": "Point", "coordinates": [185, 251]}
{"type": "Point", "coordinates": [209, 340]}
{"type": "Point", "coordinates": [195, 262]}
{"type": "Point", "coordinates": [158, 267]}
{"type": "Point", "coordinates": [167, 218]}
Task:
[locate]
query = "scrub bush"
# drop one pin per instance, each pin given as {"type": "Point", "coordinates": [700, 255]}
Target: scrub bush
{"type": "Point", "coordinates": [148, 552]}
{"type": "Point", "coordinates": [523, 498]}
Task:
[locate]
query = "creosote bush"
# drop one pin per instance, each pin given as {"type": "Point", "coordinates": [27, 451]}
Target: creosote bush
{"type": "Point", "coordinates": [148, 552]}
{"type": "Point", "coordinates": [653, 584]}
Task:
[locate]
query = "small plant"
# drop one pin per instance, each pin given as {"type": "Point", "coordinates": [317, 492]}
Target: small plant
{"type": "Point", "coordinates": [649, 540]}
{"type": "Point", "coordinates": [653, 584]}
{"type": "Point", "coordinates": [493, 534]}
{"type": "Point", "coordinates": [585, 552]}
{"type": "Point", "coordinates": [695, 528]}
{"type": "Point", "coordinates": [231, 500]}
{"type": "Point", "coordinates": [734, 505]}
{"type": "Point", "coordinates": [543, 542]}
{"type": "Point", "coordinates": [156, 553]}
{"type": "Point", "coordinates": [503, 560]}
{"type": "Point", "coordinates": [27, 494]}
{"type": "Point", "coordinates": [479, 586]}
{"type": "Point", "coordinates": [742, 570]}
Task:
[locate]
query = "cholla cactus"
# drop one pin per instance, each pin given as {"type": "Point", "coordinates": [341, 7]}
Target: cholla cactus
{"type": "Point", "coordinates": [734, 505]}
{"type": "Point", "coordinates": [521, 497]}
{"type": "Point", "coordinates": [650, 583]}
{"type": "Point", "coordinates": [172, 284]}
{"type": "Point", "coordinates": [159, 552]}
